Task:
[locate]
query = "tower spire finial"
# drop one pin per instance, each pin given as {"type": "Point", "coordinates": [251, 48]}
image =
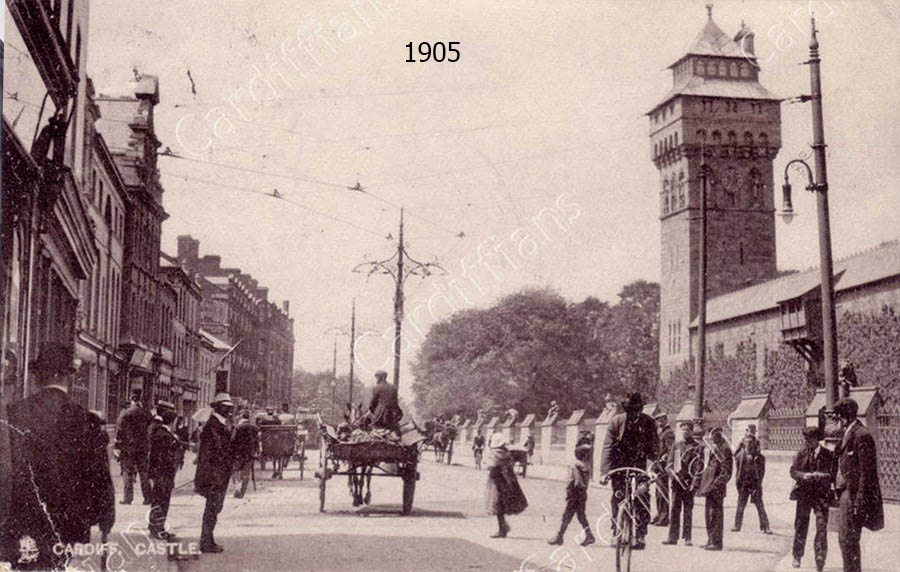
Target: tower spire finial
{"type": "Point", "coordinates": [709, 8]}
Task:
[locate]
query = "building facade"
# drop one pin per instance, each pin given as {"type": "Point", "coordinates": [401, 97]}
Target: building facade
{"type": "Point", "coordinates": [720, 118]}
{"type": "Point", "coordinates": [235, 309]}
{"type": "Point", "coordinates": [127, 124]}
{"type": "Point", "coordinates": [101, 294]}
{"type": "Point", "coordinates": [186, 336]}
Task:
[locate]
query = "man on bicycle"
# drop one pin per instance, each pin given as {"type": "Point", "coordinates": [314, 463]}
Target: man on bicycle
{"type": "Point", "coordinates": [631, 441]}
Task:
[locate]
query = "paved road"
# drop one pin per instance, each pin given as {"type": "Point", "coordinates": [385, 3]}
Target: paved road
{"type": "Point", "coordinates": [279, 528]}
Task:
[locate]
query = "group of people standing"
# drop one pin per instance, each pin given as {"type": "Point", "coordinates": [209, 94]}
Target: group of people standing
{"type": "Point", "coordinates": [702, 463]}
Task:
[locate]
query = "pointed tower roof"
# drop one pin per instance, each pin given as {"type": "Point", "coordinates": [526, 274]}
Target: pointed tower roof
{"type": "Point", "coordinates": [712, 41]}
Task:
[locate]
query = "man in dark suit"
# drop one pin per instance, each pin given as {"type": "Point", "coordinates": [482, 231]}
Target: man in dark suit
{"type": "Point", "coordinates": [132, 444]}
{"type": "Point", "coordinates": [713, 484]}
{"type": "Point", "coordinates": [161, 468]}
{"type": "Point", "coordinates": [750, 469]}
{"type": "Point", "coordinates": [245, 448]}
{"type": "Point", "coordinates": [685, 460]}
{"type": "Point", "coordinates": [812, 468]}
{"type": "Point", "coordinates": [214, 466]}
{"type": "Point", "coordinates": [856, 484]}
{"type": "Point", "coordinates": [60, 482]}
{"type": "Point", "coordinates": [666, 440]}
{"type": "Point", "coordinates": [385, 405]}
{"type": "Point", "coordinates": [631, 441]}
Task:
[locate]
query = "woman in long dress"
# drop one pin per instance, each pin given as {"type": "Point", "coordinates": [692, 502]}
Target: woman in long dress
{"type": "Point", "coordinates": [504, 495]}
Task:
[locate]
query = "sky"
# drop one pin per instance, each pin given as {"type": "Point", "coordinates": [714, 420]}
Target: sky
{"type": "Point", "coordinates": [526, 163]}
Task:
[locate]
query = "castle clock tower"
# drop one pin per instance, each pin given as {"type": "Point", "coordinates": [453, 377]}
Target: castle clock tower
{"type": "Point", "coordinates": [719, 114]}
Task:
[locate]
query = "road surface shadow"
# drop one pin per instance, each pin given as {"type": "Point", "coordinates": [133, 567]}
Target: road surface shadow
{"type": "Point", "coordinates": [395, 510]}
{"type": "Point", "coordinates": [350, 553]}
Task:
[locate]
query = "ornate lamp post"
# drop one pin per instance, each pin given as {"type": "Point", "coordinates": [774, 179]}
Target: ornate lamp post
{"type": "Point", "coordinates": [818, 184]}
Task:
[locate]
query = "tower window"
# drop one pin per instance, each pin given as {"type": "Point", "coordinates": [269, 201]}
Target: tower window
{"type": "Point", "coordinates": [723, 69]}
{"type": "Point", "coordinates": [734, 69]}
{"type": "Point", "coordinates": [681, 190]}
{"type": "Point", "coordinates": [745, 70]}
{"type": "Point", "coordinates": [717, 136]}
{"type": "Point", "coordinates": [748, 139]}
{"type": "Point", "coordinates": [763, 139]}
{"type": "Point", "coordinates": [701, 135]}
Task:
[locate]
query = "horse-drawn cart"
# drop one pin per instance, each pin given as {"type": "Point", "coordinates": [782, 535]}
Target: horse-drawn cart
{"type": "Point", "coordinates": [279, 444]}
{"type": "Point", "coordinates": [362, 460]}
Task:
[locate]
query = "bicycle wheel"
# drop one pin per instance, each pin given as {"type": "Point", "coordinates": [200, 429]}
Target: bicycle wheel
{"type": "Point", "coordinates": [623, 542]}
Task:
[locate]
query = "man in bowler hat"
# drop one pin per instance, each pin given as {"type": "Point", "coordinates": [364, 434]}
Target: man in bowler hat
{"type": "Point", "coordinates": [812, 468]}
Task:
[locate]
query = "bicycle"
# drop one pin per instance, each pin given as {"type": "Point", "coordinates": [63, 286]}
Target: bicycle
{"type": "Point", "coordinates": [478, 452]}
{"type": "Point", "coordinates": [637, 483]}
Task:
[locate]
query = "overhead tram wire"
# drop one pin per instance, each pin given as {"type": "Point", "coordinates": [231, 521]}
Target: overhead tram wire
{"type": "Point", "coordinates": [356, 188]}
{"type": "Point", "coordinates": [275, 195]}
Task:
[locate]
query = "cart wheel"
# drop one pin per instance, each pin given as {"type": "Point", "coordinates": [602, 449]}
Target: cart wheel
{"type": "Point", "coordinates": [409, 489]}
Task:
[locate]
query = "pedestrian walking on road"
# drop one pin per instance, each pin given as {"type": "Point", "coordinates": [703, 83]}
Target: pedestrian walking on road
{"type": "Point", "coordinates": [214, 466]}
{"type": "Point", "coordinates": [813, 468]}
{"type": "Point", "coordinates": [666, 440]}
{"type": "Point", "coordinates": [631, 441]}
{"type": "Point", "coordinates": [576, 496]}
{"type": "Point", "coordinates": [750, 468]}
{"type": "Point", "coordinates": [685, 461]}
{"type": "Point", "coordinates": [59, 483]}
{"type": "Point", "coordinates": [161, 468]}
{"type": "Point", "coordinates": [856, 484]}
{"type": "Point", "coordinates": [713, 484]}
{"type": "Point", "coordinates": [504, 495]}
{"type": "Point", "coordinates": [131, 447]}
{"type": "Point", "coordinates": [245, 449]}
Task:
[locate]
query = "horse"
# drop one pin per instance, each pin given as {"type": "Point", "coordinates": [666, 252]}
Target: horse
{"type": "Point", "coordinates": [360, 475]}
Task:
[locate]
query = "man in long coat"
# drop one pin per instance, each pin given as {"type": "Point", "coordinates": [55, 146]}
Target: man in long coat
{"type": "Point", "coordinates": [60, 483]}
{"type": "Point", "coordinates": [214, 466]}
{"type": "Point", "coordinates": [132, 444]}
{"type": "Point", "coordinates": [856, 484]}
{"type": "Point", "coordinates": [385, 405]}
{"type": "Point", "coordinates": [631, 441]}
{"type": "Point", "coordinates": [713, 484]}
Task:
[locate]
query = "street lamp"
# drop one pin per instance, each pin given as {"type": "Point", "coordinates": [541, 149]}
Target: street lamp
{"type": "Point", "coordinates": [818, 183]}
{"type": "Point", "coordinates": [705, 172]}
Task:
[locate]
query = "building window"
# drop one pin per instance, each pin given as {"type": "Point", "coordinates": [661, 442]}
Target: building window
{"type": "Point", "coordinates": [745, 70]}
{"type": "Point", "coordinates": [723, 69]}
{"type": "Point", "coordinates": [681, 193]}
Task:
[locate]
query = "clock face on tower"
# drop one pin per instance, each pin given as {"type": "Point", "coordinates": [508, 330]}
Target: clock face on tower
{"type": "Point", "coordinates": [732, 181]}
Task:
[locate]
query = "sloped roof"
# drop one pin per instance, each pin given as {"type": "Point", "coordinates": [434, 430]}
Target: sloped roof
{"type": "Point", "coordinates": [712, 41]}
{"type": "Point", "coordinates": [528, 421]}
{"type": "Point", "coordinates": [866, 267]}
{"type": "Point", "coordinates": [865, 396]}
{"type": "Point", "coordinates": [751, 407]}
{"type": "Point", "coordinates": [575, 418]}
{"type": "Point", "coordinates": [721, 87]}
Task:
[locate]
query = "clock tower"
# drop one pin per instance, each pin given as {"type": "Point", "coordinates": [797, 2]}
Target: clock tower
{"type": "Point", "coordinates": [717, 114]}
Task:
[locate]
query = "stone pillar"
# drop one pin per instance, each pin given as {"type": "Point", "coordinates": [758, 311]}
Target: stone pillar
{"type": "Point", "coordinates": [573, 425]}
{"type": "Point", "coordinates": [547, 438]}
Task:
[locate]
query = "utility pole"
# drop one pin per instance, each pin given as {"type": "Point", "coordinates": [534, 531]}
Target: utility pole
{"type": "Point", "coordinates": [333, 377]}
{"type": "Point", "coordinates": [394, 267]}
{"type": "Point", "coordinates": [701, 295]}
{"type": "Point", "coordinates": [352, 348]}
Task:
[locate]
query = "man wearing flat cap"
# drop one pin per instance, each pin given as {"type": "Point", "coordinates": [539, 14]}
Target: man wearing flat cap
{"type": "Point", "coordinates": [712, 483]}
{"type": "Point", "coordinates": [666, 440]}
{"type": "Point", "coordinates": [812, 469]}
{"type": "Point", "coordinates": [161, 468]}
{"type": "Point", "coordinates": [59, 482]}
{"type": "Point", "coordinates": [385, 405]}
{"type": "Point", "coordinates": [214, 466]}
{"type": "Point", "coordinates": [856, 484]}
{"type": "Point", "coordinates": [631, 441]}
{"type": "Point", "coordinates": [685, 460]}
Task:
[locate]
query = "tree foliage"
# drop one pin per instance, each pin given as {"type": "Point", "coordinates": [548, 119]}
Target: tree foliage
{"type": "Point", "coordinates": [533, 347]}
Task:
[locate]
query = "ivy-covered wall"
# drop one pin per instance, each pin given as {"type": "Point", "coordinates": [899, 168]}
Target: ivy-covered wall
{"type": "Point", "coordinates": [871, 340]}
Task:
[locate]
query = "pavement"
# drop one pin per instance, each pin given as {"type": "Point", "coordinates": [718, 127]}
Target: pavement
{"type": "Point", "coordinates": [279, 528]}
